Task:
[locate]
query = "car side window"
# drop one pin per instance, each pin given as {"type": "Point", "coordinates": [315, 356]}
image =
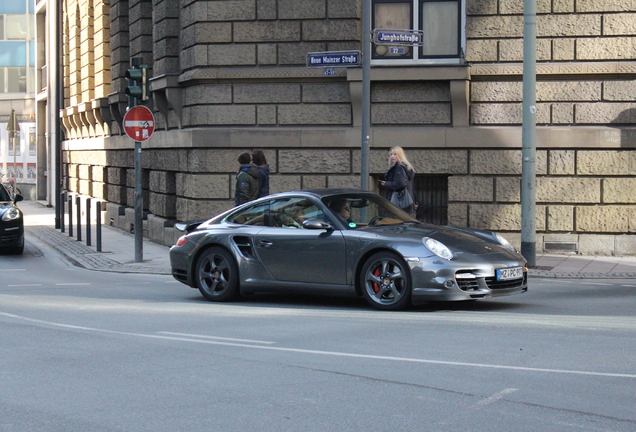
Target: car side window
{"type": "Point", "coordinates": [291, 212]}
{"type": "Point", "coordinates": [256, 215]}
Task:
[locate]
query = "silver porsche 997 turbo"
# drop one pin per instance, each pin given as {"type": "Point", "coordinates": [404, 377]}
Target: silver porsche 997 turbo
{"type": "Point", "coordinates": [343, 241]}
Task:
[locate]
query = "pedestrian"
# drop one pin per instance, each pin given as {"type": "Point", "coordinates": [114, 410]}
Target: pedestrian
{"type": "Point", "coordinates": [246, 180]}
{"type": "Point", "coordinates": [398, 181]}
{"type": "Point", "coordinates": [258, 157]}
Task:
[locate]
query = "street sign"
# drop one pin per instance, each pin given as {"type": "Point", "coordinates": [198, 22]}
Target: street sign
{"type": "Point", "coordinates": [139, 123]}
{"type": "Point", "coordinates": [13, 125]}
{"type": "Point", "coordinates": [397, 37]}
{"type": "Point", "coordinates": [330, 59]}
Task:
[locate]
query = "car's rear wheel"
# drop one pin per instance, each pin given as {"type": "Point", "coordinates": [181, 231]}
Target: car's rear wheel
{"type": "Point", "coordinates": [217, 275]}
{"type": "Point", "coordinates": [386, 281]}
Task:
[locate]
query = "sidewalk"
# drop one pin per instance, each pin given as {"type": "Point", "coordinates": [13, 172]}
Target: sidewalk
{"type": "Point", "coordinates": [118, 252]}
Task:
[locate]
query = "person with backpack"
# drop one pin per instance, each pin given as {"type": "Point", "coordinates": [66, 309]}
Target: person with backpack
{"type": "Point", "coordinates": [246, 180]}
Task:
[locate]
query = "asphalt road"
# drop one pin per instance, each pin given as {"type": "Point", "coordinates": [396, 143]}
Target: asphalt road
{"type": "Point", "coordinates": [89, 351]}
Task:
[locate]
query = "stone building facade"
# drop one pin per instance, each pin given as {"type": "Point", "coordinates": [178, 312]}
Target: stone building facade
{"type": "Point", "coordinates": [229, 76]}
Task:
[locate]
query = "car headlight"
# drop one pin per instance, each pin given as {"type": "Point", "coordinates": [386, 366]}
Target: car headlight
{"type": "Point", "coordinates": [438, 248]}
{"type": "Point", "coordinates": [505, 243]}
{"type": "Point", "coordinates": [11, 214]}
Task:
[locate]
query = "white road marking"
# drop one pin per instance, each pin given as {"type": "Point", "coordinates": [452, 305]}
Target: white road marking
{"type": "Point", "coordinates": [11, 270]}
{"type": "Point", "coordinates": [330, 353]}
{"type": "Point", "coordinates": [216, 337]}
{"type": "Point", "coordinates": [495, 397]}
{"type": "Point", "coordinates": [593, 283]}
{"type": "Point", "coordinates": [632, 286]}
{"type": "Point", "coordinates": [24, 285]}
{"type": "Point", "coordinates": [72, 284]}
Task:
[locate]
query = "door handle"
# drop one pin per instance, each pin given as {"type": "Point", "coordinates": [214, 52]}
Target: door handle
{"type": "Point", "coordinates": [264, 243]}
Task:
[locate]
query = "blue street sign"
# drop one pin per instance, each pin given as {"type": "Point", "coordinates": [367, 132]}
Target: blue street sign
{"type": "Point", "coordinates": [397, 37]}
{"type": "Point", "coordinates": [332, 59]}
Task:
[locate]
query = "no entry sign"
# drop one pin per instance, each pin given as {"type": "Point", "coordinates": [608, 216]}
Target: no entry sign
{"type": "Point", "coordinates": [139, 123]}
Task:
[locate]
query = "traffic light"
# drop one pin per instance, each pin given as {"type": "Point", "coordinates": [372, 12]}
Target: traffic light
{"type": "Point", "coordinates": [137, 89]}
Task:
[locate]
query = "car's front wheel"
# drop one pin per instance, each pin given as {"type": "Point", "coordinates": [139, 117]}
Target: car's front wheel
{"type": "Point", "coordinates": [386, 281]}
{"type": "Point", "coordinates": [217, 275]}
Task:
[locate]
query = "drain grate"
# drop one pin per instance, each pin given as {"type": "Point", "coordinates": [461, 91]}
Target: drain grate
{"type": "Point", "coordinates": [553, 246]}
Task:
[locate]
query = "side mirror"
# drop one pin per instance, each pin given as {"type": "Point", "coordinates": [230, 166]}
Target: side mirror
{"type": "Point", "coordinates": [316, 224]}
{"type": "Point", "coordinates": [17, 198]}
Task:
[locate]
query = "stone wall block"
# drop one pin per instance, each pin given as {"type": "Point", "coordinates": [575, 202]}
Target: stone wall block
{"type": "Point", "coordinates": [266, 10]}
{"type": "Point", "coordinates": [616, 48]}
{"type": "Point", "coordinates": [619, 90]}
{"type": "Point", "coordinates": [560, 218]}
{"type": "Point", "coordinates": [232, 10]}
{"type": "Point", "coordinates": [458, 214]}
{"type": "Point", "coordinates": [432, 161]}
{"type": "Point", "coordinates": [563, 6]}
{"type": "Point", "coordinates": [206, 32]}
{"type": "Point", "coordinates": [302, 9]}
{"type": "Point", "coordinates": [481, 50]}
{"type": "Point", "coordinates": [332, 30]}
{"type": "Point", "coordinates": [562, 113]}
{"type": "Point", "coordinates": [232, 115]}
{"type": "Point", "coordinates": [266, 93]}
{"type": "Point", "coordinates": [562, 162]}
{"type": "Point", "coordinates": [614, 219]}
{"type": "Point", "coordinates": [208, 94]}
{"type": "Point", "coordinates": [603, 113]}
{"type": "Point", "coordinates": [189, 209]}
{"type": "Point", "coordinates": [84, 187]}
{"type": "Point", "coordinates": [411, 92]}
{"type": "Point", "coordinates": [568, 190]}
{"type": "Point", "coordinates": [619, 162]}
{"type": "Point", "coordinates": [346, 182]}
{"type": "Point", "coordinates": [205, 186]}
{"type": "Point", "coordinates": [116, 176]}
{"type": "Point", "coordinates": [326, 93]}
{"type": "Point", "coordinates": [84, 172]}
{"type": "Point", "coordinates": [483, 7]}
{"type": "Point", "coordinates": [266, 115]}
{"type": "Point", "coordinates": [214, 160]}
{"type": "Point", "coordinates": [314, 114]}
{"type": "Point", "coordinates": [414, 113]}
{"type": "Point", "coordinates": [344, 8]}
{"type": "Point", "coordinates": [163, 182]}
{"type": "Point", "coordinates": [563, 49]}
{"type": "Point", "coordinates": [314, 161]}
{"type": "Point", "coordinates": [163, 205]}
{"type": "Point", "coordinates": [267, 31]}
{"type": "Point", "coordinates": [619, 190]}
{"type": "Point", "coordinates": [583, 6]}
{"type": "Point", "coordinates": [625, 245]}
{"type": "Point", "coordinates": [314, 182]}
{"type": "Point", "coordinates": [232, 55]}
{"type": "Point", "coordinates": [100, 190]}
{"type": "Point", "coordinates": [568, 25]}
{"type": "Point", "coordinates": [503, 162]}
{"type": "Point", "coordinates": [505, 113]}
{"type": "Point", "coordinates": [597, 245]}
{"type": "Point", "coordinates": [496, 26]}
{"type": "Point", "coordinates": [116, 194]}
{"type": "Point", "coordinates": [619, 24]}
{"type": "Point", "coordinates": [267, 54]}
{"type": "Point", "coordinates": [284, 183]}
{"type": "Point", "coordinates": [508, 189]}
{"type": "Point", "coordinates": [470, 188]}
{"type": "Point", "coordinates": [498, 217]}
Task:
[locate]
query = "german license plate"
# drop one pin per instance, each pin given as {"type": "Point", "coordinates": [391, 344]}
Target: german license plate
{"type": "Point", "coordinates": [510, 273]}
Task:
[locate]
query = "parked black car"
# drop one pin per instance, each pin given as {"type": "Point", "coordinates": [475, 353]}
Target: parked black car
{"type": "Point", "coordinates": [343, 241]}
{"type": "Point", "coordinates": [11, 223]}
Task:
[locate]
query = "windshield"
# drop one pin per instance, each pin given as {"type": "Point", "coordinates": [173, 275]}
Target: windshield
{"type": "Point", "coordinates": [359, 211]}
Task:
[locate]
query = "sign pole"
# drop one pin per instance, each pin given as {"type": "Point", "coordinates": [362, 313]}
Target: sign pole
{"type": "Point", "coordinates": [139, 124]}
{"type": "Point", "coordinates": [366, 95]}
{"type": "Point", "coordinates": [139, 232]}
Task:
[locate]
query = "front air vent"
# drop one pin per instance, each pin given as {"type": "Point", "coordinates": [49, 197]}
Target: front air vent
{"type": "Point", "coordinates": [244, 244]}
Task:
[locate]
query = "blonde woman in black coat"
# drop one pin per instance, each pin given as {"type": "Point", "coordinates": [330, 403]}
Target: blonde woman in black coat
{"type": "Point", "coordinates": [399, 176]}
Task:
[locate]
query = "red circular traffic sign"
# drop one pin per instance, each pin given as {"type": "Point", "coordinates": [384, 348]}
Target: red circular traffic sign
{"type": "Point", "coordinates": [139, 123]}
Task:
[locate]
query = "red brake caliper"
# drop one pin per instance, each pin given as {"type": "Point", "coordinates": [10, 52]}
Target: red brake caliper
{"type": "Point", "coordinates": [376, 272]}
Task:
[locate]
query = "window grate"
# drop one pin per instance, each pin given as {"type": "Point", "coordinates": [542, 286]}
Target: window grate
{"type": "Point", "coordinates": [431, 194]}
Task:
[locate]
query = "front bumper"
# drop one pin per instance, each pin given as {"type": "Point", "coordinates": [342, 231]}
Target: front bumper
{"type": "Point", "coordinates": [437, 280]}
{"type": "Point", "coordinates": [11, 234]}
